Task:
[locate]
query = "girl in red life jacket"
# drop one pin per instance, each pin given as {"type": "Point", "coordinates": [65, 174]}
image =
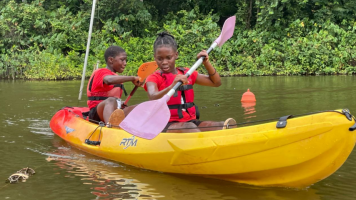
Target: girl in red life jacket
{"type": "Point", "coordinates": [184, 113]}
{"type": "Point", "coordinates": [105, 86]}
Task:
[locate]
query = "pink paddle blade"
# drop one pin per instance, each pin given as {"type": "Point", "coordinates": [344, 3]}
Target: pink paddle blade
{"type": "Point", "coordinates": [227, 31]}
{"type": "Point", "coordinates": [141, 120]}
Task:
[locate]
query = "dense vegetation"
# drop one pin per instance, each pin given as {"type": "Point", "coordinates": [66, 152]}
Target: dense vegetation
{"type": "Point", "coordinates": [46, 39]}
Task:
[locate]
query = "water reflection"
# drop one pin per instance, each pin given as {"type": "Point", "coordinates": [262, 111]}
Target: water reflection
{"type": "Point", "coordinates": [110, 180]}
{"type": "Point", "coordinates": [107, 182]}
{"type": "Point", "coordinates": [249, 109]}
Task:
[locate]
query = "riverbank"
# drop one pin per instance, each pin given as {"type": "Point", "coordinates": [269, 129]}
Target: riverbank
{"type": "Point", "coordinates": [42, 40]}
{"type": "Point", "coordinates": [10, 77]}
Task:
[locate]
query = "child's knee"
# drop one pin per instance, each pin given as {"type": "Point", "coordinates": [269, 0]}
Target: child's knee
{"type": "Point", "coordinates": [189, 125]}
{"type": "Point", "coordinates": [110, 100]}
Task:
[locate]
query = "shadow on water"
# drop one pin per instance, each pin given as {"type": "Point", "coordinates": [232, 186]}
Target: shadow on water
{"type": "Point", "coordinates": [109, 180]}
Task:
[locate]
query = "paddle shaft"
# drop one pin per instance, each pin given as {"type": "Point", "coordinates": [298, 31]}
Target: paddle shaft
{"type": "Point", "coordinates": [191, 70]}
{"type": "Point", "coordinates": [129, 97]}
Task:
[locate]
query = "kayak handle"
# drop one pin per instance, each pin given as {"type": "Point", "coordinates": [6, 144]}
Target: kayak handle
{"type": "Point", "coordinates": [90, 142]}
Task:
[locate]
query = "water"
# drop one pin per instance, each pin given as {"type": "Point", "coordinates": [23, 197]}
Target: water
{"type": "Point", "coordinates": [63, 172]}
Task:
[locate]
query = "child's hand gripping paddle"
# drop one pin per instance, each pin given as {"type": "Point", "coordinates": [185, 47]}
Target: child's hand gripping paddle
{"type": "Point", "coordinates": [143, 72]}
{"type": "Point", "coordinates": [149, 118]}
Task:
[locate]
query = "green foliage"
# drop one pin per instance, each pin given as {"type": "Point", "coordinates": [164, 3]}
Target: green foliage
{"type": "Point", "coordinates": [192, 33]}
{"type": "Point", "coordinates": [46, 39]}
{"type": "Point", "coordinates": [35, 64]}
{"type": "Point", "coordinates": [56, 66]}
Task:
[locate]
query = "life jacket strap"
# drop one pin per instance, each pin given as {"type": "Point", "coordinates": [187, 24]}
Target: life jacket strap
{"type": "Point", "coordinates": [99, 98]}
{"type": "Point", "coordinates": [122, 88]}
{"type": "Point", "coordinates": [185, 87]}
{"type": "Point", "coordinates": [197, 113]}
{"type": "Point", "coordinates": [185, 106]}
{"type": "Point", "coordinates": [96, 98]}
{"type": "Point", "coordinates": [116, 85]}
{"type": "Point", "coordinates": [182, 88]}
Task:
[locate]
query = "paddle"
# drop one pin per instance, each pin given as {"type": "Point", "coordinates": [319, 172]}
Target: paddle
{"type": "Point", "coordinates": [143, 72]}
{"type": "Point", "coordinates": [149, 118]}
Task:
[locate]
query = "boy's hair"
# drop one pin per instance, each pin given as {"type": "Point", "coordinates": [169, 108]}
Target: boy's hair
{"type": "Point", "coordinates": [113, 51]}
{"type": "Point", "coordinates": [165, 39]}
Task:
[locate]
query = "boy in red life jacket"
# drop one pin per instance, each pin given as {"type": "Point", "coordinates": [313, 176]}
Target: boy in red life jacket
{"type": "Point", "coordinates": [184, 113]}
{"type": "Point", "coordinates": [105, 86]}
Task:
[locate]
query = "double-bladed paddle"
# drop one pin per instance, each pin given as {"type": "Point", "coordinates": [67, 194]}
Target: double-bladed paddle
{"type": "Point", "coordinates": [149, 118]}
{"type": "Point", "coordinates": [143, 72]}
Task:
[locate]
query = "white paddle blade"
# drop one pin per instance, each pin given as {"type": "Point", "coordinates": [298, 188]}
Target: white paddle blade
{"type": "Point", "coordinates": [227, 31]}
{"type": "Point", "coordinates": [148, 119]}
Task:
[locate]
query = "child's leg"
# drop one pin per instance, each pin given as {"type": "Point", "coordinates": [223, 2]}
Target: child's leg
{"type": "Point", "coordinates": [183, 127]}
{"type": "Point", "coordinates": [210, 126]}
{"type": "Point", "coordinates": [105, 108]}
{"type": "Point", "coordinates": [128, 109]}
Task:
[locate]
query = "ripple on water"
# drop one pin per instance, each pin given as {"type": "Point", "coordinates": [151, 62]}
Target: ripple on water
{"type": "Point", "coordinates": [102, 176]}
{"type": "Point", "coordinates": [104, 184]}
{"type": "Point", "coordinates": [10, 122]}
{"type": "Point", "coordinates": [40, 127]}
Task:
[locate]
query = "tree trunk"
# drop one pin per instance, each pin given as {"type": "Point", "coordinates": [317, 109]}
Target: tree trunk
{"type": "Point", "coordinates": [248, 23]}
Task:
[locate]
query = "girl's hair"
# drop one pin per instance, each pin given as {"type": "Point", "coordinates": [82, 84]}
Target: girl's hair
{"type": "Point", "coordinates": [113, 51]}
{"type": "Point", "coordinates": [165, 39]}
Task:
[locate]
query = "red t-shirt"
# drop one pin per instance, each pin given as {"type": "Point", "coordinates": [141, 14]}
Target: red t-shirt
{"type": "Point", "coordinates": [162, 84]}
{"type": "Point", "coordinates": [99, 85]}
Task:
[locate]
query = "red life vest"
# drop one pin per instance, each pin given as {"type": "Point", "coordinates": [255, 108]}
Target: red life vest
{"type": "Point", "coordinates": [97, 97]}
{"type": "Point", "coordinates": [184, 92]}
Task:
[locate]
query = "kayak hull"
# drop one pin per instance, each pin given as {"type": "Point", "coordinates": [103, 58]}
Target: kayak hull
{"type": "Point", "coordinates": [307, 150]}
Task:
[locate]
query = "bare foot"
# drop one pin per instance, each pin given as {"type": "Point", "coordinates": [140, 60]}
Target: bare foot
{"type": "Point", "coordinates": [116, 117]}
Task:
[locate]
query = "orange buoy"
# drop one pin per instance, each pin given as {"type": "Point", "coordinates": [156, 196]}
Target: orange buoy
{"type": "Point", "coordinates": [248, 97]}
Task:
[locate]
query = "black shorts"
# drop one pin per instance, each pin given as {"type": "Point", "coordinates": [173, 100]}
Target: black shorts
{"type": "Point", "coordinates": [93, 115]}
{"type": "Point", "coordinates": [194, 121]}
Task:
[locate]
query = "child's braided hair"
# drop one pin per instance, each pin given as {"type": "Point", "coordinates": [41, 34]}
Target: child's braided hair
{"type": "Point", "coordinates": [165, 39]}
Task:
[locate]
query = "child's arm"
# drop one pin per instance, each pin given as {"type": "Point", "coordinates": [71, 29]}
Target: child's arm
{"type": "Point", "coordinates": [152, 89]}
{"type": "Point", "coordinates": [213, 77]}
{"type": "Point", "coordinates": [112, 80]}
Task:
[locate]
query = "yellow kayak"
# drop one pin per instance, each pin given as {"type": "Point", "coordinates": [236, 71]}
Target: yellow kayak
{"type": "Point", "coordinates": [299, 152]}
